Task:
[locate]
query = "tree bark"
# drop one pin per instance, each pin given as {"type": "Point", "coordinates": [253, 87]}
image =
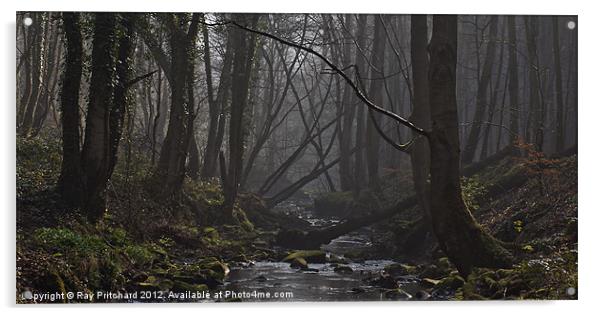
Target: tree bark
{"type": "Point", "coordinates": [96, 151]}
{"type": "Point", "coordinates": [243, 60]}
{"type": "Point", "coordinates": [171, 169]}
{"type": "Point", "coordinates": [52, 63]}
{"type": "Point", "coordinates": [121, 99]}
{"type": "Point", "coordinates": [70, 180]}
{"type": "Point", "coordinates": [421, 111]}
{"type": "Point", "coordinates": [459, 235]}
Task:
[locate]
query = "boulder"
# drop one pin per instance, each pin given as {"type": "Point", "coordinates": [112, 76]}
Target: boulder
{"type": "Point", "coordinates": [397, 294]}
{"type": "Point", "coordinates": [385, 281]}
{"type": "Point", "coordinates": [298, 263]}
{"type": "Point", "coordinates": [342, 269]}
{"type": "Point", "coordinates": [450, 283]}
{"type": "Point", "coordinates": [428, 282]}
{"type": "Point", "coordinates": [398, 269]}
{"type": "Point", "coordinates": [310, 256]}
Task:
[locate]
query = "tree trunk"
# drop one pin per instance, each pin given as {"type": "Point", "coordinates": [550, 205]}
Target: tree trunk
{"type": "Point", "coordinates": [51, 74]}
{"type": "Point", "coordinates": [483, 86]}
{"type": "Point", "coordinates": [216, 106]}
{"type": "Point", "coordinates": [536, 112]}
{"type": "Point", "coordinates": [38, 55]}
{"type": "Point", "coordinates": [421, 111]}
{"type": "Point", "coordinates": [359, 162]}
{"type": "Point", "coordinates": [315, 238]}
{"type": "Point", "coordinates": [171, 169]}
{"type": "Point", "coordinates": [70, 180]}
{"type": "Point", "coordinates": [513, 80]}
{"type": "Point", "coordinates": [375, 93]}
{"type": "Point", "coordinates": [459, 235]}
{"type": "Point", "coordinates": [559, 95]}
{"type": "Point", "coordinates": [96, 151]}
{"type": "Point", "coordinates": [194, 159]}
{"type": "Point", "coordinates": [493, 99]}
{"type": "Point", "coordinates": [345, 171]}
{"type": "Point", "coordinates": [243, 60]}
{"type": "Point", "coordinates": [121, 99]}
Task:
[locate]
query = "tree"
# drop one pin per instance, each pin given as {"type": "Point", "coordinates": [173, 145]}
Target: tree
{"type": "Point", "coordinates": [375, 93]}
{"type": "Point", "coordinates": [421, 111]}
{"type": "Point", "coordinates": [482, 88]}
{"type": "Point", "coordinates": [558, 81]}
{"type": "Point", "coordinates": [182, 34]}
{"type": "Point", "coordinates": [33, 65]}
{"type": "Point", "coordinates": [359, 161]}
{"type": "Point", "coordinates": [536, 115]}
{"type": "Point", "coordinates": [217, 104]}
{"type": "Point", "coordinates": [107, 102]}
{"type": "Point", "coordinates": [513, 79]}
{"type": "Point", "coordinates": [243, 60]}
{"type": "Point", "coordinates": [348, 112]}
{"type": "Point", "coordinates": [459, 235]}
{"type": "Point", "coordinates": [96, 150]}
{"type": "Point", "coordinates": [70, 185]}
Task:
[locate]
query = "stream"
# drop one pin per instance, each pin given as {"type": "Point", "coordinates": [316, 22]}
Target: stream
{"type": "Point", "coordinates": [320, 282]}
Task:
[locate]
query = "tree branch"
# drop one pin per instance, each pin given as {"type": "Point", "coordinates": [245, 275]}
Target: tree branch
{"type": "Point", "coordinates": [336, 69]}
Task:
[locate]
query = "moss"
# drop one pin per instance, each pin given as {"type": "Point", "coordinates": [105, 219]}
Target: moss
{"type": "Point", "coordinates": [298, 263]}
{"type": "Point", "coordinates": [140, 255]}
{"type": "Point", "coordinates": [210, 232]}
{"type": "Point", "coordinates": [65, 240]}
{"type": "Point", "coordinates": [473, 192]}
{"type": "Point", "coordinates": [400, 269]}
{"type": "Point", "coordinates": [450, 283]}
{"type": "Point", "coordinates": [38, 164]}
{"type": "Point", "coordinates": [311, 256]}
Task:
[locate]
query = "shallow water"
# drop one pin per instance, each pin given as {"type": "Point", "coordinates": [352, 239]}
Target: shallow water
{"type": "Point", "coordinates": [277, 278]}
{"type": "Point", "coordinates": [255, 281]}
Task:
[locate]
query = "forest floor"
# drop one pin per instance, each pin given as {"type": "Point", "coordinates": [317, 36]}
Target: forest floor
{"type": "Point", "coordinates": [530, 204]}
{"type": "Point", "coordinates": [186, 244]}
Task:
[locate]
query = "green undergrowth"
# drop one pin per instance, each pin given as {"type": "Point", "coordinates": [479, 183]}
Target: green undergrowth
{"type": "Point", "coordinates": [182, 243]}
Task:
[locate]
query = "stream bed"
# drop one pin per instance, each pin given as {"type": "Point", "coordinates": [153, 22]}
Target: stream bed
{"type": "Point", "coordinates": [254, 282]}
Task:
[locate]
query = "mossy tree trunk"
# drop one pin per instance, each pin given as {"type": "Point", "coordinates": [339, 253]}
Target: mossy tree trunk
{"type": "Point", "coordinates": [69, 185]}
{"type": "Point", "coordinates": [459, 235]}
{"type": "Point", "coordinates": [96, 150]}
{"type": "Point", "coordinates": [108, 98]}
{"type": "Point", "coordinates": [171, 168]}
